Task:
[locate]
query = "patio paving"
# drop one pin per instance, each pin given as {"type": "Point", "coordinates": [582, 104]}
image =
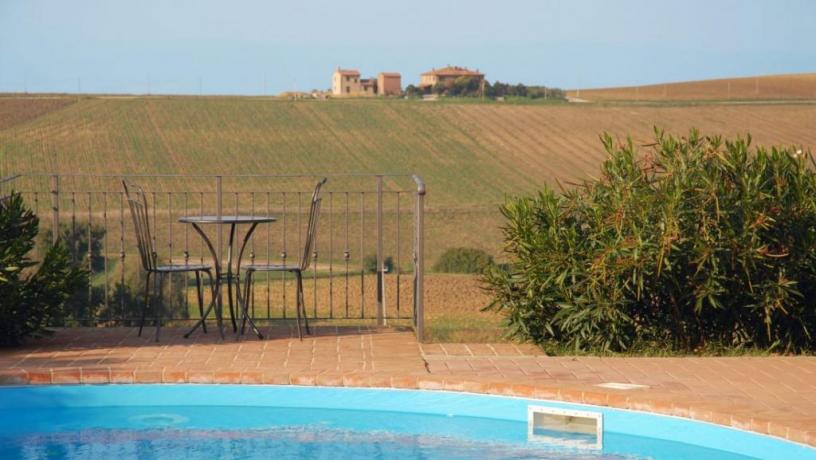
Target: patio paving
{"type": "Point", "coordinates": [772, 395]}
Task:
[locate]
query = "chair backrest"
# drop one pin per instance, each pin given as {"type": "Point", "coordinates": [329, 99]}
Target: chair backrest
{"type": "Point", "coordinates": [137, 201]}
{"type": "Point", "coordinates": [311, 231]}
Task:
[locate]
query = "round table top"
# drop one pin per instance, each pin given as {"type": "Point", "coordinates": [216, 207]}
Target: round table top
{"type": "Point", "coordinates": [227, 219]}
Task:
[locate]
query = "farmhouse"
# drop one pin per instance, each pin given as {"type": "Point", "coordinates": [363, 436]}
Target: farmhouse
{"type": "Point", "coordinates": [347, 82]}
{"type": "Point", "coordinates": [447, 75]}
{"type": "Point", "coordinates": [389, 84]}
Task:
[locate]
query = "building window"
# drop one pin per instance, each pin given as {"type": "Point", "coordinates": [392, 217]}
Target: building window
{"type": "Point", "coordinates": [348, 89]}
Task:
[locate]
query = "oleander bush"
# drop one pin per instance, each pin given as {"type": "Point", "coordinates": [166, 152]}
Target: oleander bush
{"type": "Point", "coordinates": [463, 260]}
{"type": "Point", "coordinates": [31, 293]}
{"type": "Point", "coordinates": [699, 243]}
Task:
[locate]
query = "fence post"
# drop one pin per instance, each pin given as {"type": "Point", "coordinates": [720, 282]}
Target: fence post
{"type": "Point", "coordinates": [55, 212]}
{"type": "Point", "coordinates": [380, 264]}
{"type": "Point", "coordinates": [219, 212]}
{"type": "Point", "coordinates": [419, 261]}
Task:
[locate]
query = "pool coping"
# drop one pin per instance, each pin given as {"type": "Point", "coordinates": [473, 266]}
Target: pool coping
{"type": "Point", "coordinates": [703, 410]}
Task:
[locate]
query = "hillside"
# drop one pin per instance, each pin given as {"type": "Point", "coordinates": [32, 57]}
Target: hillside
{"type": "Point", "coordinates": [471, 155]}
{"type": "Point", "coordinates": [769, 88]}
{"type": "Point", "coordinates": [468, 153]}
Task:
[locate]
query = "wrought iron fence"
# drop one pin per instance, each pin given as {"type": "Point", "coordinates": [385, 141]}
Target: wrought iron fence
{"type": "Point", "coordinates": [368, 260]}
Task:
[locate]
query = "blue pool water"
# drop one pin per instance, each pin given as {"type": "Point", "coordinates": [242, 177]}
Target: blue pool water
{"type": "Point", "coordinates": [245, 421]}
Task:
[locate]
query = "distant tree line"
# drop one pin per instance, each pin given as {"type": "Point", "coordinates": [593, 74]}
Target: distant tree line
{"type": "Point", "coordinates": [472, 87]}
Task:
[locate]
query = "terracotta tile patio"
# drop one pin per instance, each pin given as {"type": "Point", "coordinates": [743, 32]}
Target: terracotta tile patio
{"type": "Point", "coordinates": [773, 395]}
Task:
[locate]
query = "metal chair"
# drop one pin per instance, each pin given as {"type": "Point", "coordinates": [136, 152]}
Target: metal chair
{"type": "Point", "coordinates": [137, 201]}
{"type": "Point", "coordinates": [297, 270]}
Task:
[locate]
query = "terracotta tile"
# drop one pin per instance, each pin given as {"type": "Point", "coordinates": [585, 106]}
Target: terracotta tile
{"type": "Point", "coordinates": [121, 376]}
{"type": "Point", "coordinates": [333, 379]}
{"type": "Point", "coordinates": [276, 378]}
{"type": "Point", "coordinates": [798, 435]}
{"type": "Point", "coordinates": [200, 377]}
{"type": "Point", "coordinates": [304, 380]}
{"type": "Point", "coordinates": [226, 377]}
{"type": "Point", "coordinates": [66, 376]}
{"type": "Point", "coordinates": [379, 380]}
{"type": "Point", "coordinates": [545, 392]}
{"type": "Point", "coordinates": [355, 380]}
{"type": "Point", "coordinates": [252, 377]}
{"type": "Point", "coordinates": [570, 394]}
{"type": "Point", "coordinates": [174, 376]}
{"type": "Point", "coordinates": [778, 429]}
{"type": "Point", "coordinates": [147, 376]}
{"type": "Point", "coordinates": [96, 376]}
{"type": "Point", "coordinates": [430, 383]}
{"type": "Point", "coordinates": [598, 398]}
{"type": "Point", "coordinates": [501, 388]}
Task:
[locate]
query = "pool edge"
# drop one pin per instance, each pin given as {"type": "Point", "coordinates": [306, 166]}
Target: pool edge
{"type": "Point", "coordinates": [725, 414]}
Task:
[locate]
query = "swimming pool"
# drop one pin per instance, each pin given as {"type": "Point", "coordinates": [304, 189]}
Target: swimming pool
{"type": "Point", "coordinates": [260, 421]}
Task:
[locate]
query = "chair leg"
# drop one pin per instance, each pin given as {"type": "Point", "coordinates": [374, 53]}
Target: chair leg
{"type": "Point", "coordinates": [303, 305]}
{"type": "Point", "coordinates": [200, 300]}
{"type": "Point", "coordinates": [246, 319]}
{"type": "Point", "coordinates": [247, 288]}
{"type": "Point", "coordinates": [297, 304]}
{"type": "Point", "coordinates": [229, 299]}
{"type": "Point", "coordinates": [210, 307]}
{"type": "Point", "coordinates": [146, 303]}
{"type": "Point", "coordinates": [159, 305]}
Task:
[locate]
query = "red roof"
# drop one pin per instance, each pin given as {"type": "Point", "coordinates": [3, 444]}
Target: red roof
{"type": "Point", "coordinates": [453, 71]}
{"type": "Point", "coordinates": [390, 74]}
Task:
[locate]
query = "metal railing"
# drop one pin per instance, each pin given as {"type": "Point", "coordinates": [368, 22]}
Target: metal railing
{"type": "Point", "coordinates": [365, 221]}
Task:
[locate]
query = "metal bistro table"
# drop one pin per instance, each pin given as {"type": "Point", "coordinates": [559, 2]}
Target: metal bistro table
{"type": "Point", "coordinates": [229, 276]}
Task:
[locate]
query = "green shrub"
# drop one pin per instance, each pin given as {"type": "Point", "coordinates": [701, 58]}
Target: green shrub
{"type": "Point", "coordinates": [701, 243]}
{"type": "Point", "coordinates": [370, 264]}
{"type": "Point", "coordinates": [30, 294]}
{"type": "Point", "coordinates": [463, 260]}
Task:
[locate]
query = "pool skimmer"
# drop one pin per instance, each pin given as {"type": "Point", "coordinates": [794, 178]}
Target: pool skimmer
{"type": "Point", "coordinates": [565, 427]}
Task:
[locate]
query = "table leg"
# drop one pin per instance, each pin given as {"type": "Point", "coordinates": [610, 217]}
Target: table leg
{"type": "Point", "coordinates": [243, 304]}
{"type": "Point", "coordinates": [217, 304]}
{"type": "Point", "coordinates": [231, 276]}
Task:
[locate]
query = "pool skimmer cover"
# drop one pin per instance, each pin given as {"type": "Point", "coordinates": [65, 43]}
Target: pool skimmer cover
{"type": "Point", "coordinates": [565, 427]}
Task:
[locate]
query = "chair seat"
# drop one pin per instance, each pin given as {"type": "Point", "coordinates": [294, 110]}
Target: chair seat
{"type": "Point", "coordinates": [178, 268]}
{"type": "Point", "coordinates": [272, 268]}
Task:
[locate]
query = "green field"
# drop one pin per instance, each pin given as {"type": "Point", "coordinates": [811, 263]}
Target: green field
{"type": "Point", "coordinates": [471, 155]}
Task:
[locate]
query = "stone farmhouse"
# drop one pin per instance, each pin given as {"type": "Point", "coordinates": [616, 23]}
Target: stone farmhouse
{"type": "Point", "coordinates": [448, 75]}
{"type": "Point", "coordinates": [347, 82]}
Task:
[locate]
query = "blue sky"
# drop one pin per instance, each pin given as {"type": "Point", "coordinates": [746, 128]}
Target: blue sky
{"type": "Point", "coordinates": [262, 46]}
